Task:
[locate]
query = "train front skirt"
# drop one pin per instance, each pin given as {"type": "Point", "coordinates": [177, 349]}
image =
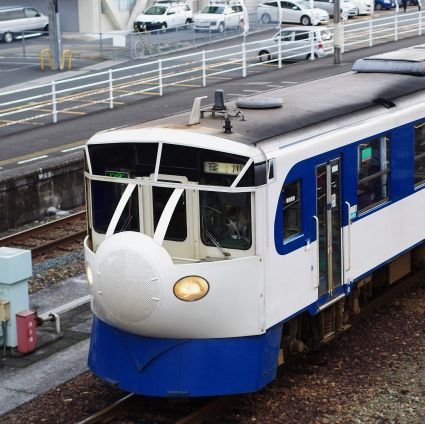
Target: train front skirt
{"type": "Point", "coordinates": [183, 367]}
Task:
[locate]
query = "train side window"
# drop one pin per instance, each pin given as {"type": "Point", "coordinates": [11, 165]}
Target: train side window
{"type": "Point", "coordinates": [226, 219]}
{"type": "Point", "coordinates": [373, 173]}
{"type": "Point", "coordinates": [420, 154]}
{"type": "Point", "coordinates": [291, 209]}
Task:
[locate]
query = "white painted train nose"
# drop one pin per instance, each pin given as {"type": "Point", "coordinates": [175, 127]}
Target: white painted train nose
{"type": "Point", "coordinates": [128, 285]}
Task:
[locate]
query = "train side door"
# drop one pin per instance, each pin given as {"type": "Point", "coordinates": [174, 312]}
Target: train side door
{"type": "Point", "coordinates": [182, 237]}
{"type": "Point", "coordinates": [328, 192]}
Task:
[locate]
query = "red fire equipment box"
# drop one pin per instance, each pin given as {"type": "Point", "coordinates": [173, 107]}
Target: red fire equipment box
{"type": "Point", "coordinates": [27, 333]}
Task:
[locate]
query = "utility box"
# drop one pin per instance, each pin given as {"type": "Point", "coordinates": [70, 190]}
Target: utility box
{"type": "Point", "coordinates": [26, 330]}
{"type": "Point", "coordinates": [15, 270]}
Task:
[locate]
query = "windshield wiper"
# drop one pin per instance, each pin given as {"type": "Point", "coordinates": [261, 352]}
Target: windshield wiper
{"type": "Point", "coordinates": [216, 244]}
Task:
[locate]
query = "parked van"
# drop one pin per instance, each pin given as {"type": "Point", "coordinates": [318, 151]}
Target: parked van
{"type": "Point", "coordinates": [164, 15]}
{"type": "Point", "coordinates": [16, 20]}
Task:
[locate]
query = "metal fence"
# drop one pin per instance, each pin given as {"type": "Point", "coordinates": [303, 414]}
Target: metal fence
{"type": "Point", "coordinates": [122, 45]}
{"type": "Point", "coordinates": [91, 92]}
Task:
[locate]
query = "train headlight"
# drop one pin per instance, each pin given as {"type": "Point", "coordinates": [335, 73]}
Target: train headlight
{"type": "Point", "coordinates": [89, 274]}
{"type": "Point", "coordinates": [191, 288]}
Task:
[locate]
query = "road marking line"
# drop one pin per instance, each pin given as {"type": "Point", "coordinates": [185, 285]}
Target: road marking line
{"type": "Point", "coordinates": [174, 84]}
{"type": "Point", "coordinates": [4, 123]}
{"type": "Point", "coordinates": [259, 83]}
{"type": "Point", "coordinates": [274, 86]}
{"type": "Point", "coordinates": [288, 82]}
{"type": "Point", "coordinates": [253, 91]}
{"type": "Point", "coordinates": [72, 112]}
{"type": "Point", "coordinates": [12, 69]}
{"type": "Point", "coordinates": [52, 150]}
{"type": "Point", "coordinates": [72, 149]}
{"type": "Point", "coordinates": [218, 78]}
{"type": "Point", "coordinates": [32, 159]}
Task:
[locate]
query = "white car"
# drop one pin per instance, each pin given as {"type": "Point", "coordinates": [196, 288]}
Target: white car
{"type": "Point", "coordinates": [295, 44]}
{"type": "Point", "coordinates": [164, 15]}
{"type": "Point", "coordinates": [298, 12]}
{"type": "Point", "coordinates": [19, 21]}
{"type": "Point", "coordinates": [365, 7]}
{"type": "Point", "coordinates": [219, 17]}
{"type": "Point", "coordinates": [347, 7]}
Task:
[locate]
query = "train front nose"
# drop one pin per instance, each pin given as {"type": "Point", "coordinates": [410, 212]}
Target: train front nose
{"type": "Point", "coordinates": [127, 282]}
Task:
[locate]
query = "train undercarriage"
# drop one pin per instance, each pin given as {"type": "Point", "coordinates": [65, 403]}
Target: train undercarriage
{"type": "Point", "coordinates": [306, 333]}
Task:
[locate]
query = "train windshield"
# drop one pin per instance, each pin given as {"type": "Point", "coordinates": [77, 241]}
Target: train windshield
{"type": "Point", "coordinates": [106, 197]}
{"type": "Point", "coordinates": [219, 219]}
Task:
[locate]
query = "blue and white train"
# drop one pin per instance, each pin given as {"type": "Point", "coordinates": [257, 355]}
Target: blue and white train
{"type": "Point", "coordinates": [216, 248]}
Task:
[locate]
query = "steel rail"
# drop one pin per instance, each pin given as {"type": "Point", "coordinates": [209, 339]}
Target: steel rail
{"type": "Point", "coordinates": [46, 247]}
{"type": "Point", "coordinates": [199, 416]}
{"type": "Point", "coordinates": [15, 238]}
{"type": "Point", "coordinates": [211, 408]}
{"type": "Point", "coordinates": [111, 411]}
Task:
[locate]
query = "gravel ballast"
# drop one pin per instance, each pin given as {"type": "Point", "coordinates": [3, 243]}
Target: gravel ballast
{"type": "Point", "coordinates": [375, 373]}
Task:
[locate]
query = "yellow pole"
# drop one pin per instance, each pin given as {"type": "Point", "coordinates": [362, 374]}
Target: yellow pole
{"type": "Point", "coordinates": [49, 58]}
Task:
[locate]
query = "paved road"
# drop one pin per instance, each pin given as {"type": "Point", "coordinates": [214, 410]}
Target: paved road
{"type": "Point", "coordinates": [55, 141]}
{"type": "Point", "coordinates": [20, 63]}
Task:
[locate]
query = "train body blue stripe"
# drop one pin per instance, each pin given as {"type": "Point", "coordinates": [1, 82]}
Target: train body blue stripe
{"type": "Point", "coordinates": [178, 367]}
{"type": "Point", "coordinates": [401, 183]}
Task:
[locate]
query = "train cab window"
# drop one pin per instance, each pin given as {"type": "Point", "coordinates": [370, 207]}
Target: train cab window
{"type": "Point", "coordinates": [420, 154]}
{"type": "Point", "coordinates": [291, 209]}
{"type": "Point", "coordinates": [177, 229]}
{"type": "Point", "coordinates": [226, 220]}
{"type": "Point", "coordinates": [373, 173]}
{"type": "Point", "coordinates": [105, 198]}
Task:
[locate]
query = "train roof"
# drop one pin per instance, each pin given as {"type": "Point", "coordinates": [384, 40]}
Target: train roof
{"type": "Point", "coordinates": [321, 101]}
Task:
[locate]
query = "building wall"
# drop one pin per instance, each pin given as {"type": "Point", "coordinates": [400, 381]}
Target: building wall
{"type": "Point", "coordinates": [101, 16]}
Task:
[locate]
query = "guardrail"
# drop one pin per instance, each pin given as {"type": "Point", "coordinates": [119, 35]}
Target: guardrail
{"type": "Point", "coordinates": [50, 102]}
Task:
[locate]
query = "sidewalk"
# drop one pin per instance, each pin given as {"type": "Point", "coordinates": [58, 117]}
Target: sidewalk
{"type": "Point", "coordinates": [57, 358]}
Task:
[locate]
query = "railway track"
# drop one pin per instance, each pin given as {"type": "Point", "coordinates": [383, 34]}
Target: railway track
{"type": "Point", "coordinates": [132, 403]}
{"type": "Point", "coordinates": [131, 407]}
{"type": "Point", "coordinates": [54, 235]}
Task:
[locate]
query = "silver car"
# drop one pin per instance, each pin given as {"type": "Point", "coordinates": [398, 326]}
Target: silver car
{"type": "Point", "coordinates": [348, 8]}
{"type": "Point", "coordinates": [219, 17]}
{"type": "Point", "coordinates": [18, 22]}
{"type": "Point", "coordinates": [295, 43]}
{"type": "Point", "coordinates": [297, 12]}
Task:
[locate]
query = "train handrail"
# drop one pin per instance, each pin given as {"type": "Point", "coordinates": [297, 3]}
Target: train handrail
{"type": "Point", "coordinates": [166, 216]}
{"type": "Point", "coordinates": [317, 280]}
{"type": "Point", "coordinates": [120, 208]}
{"type": "Point", "coordinates": [349, 236]}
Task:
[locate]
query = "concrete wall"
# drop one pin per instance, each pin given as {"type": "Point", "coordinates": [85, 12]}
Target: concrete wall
{"type": "Point", "coordinates": [101, 16]}
{"type": "Point", "coordinates": [25, 196]}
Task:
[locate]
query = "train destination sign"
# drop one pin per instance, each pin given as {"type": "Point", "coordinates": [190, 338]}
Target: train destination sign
{"type": "Point", "coordinates": [222, 168]}
{"type": "Point", "coordinates": [116, 174]}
